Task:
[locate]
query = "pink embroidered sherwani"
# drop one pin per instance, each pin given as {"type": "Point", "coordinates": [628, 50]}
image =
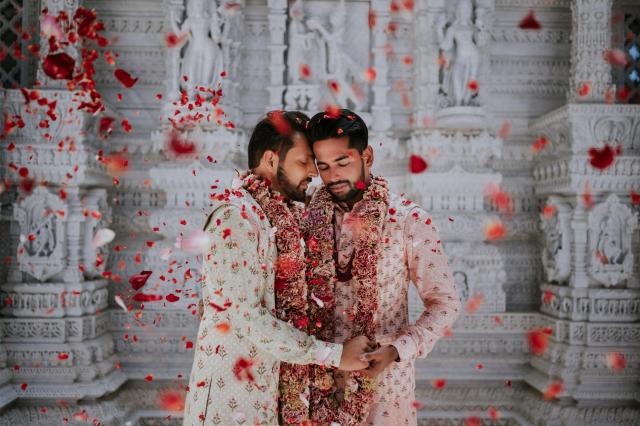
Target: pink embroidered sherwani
{"type": "Point", "coordinates": [411, 251]}
{"type": "Point", "coordinates": [238, 290]}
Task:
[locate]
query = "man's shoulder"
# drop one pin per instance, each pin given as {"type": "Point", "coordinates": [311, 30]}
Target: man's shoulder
{"type": "Point", "coordinates": [237, 201]}
{"type": "Point", "coordinates": [402, 205]}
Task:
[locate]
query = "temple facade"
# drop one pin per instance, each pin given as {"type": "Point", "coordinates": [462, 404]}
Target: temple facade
{"type": "Point", "coordinates": [507, 97]}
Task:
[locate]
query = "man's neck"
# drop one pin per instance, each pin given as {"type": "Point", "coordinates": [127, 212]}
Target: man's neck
{"type": "Point", "coordinates": [347, 205]}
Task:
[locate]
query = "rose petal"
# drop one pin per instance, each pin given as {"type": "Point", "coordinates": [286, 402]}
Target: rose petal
{"type": "Point", "coordinates": [417, 164]}
{"type": "Point", "coordinates": [125, 78]}
{"type": "Point", "coordinates": [102, 236]}
{"type": "Point", "coordinates": [120, 303]}
{"type": "Point", "coordinates": [195, 243]}
{"type": "Point", "coordinates": [59, 66]}
{"type": "Point", "coordinates": [529, 22]}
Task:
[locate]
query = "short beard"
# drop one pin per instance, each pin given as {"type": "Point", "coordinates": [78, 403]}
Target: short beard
{"type": "Point", "coordinates": [288, 189]}
{"type": "Point", "coordinates": [352, 193]}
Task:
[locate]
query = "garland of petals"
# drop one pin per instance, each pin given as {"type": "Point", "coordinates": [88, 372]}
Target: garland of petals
{"type": "Point", "coordinates": [321, 278]}
{"type": "Point", "coordinates": [290, 290]}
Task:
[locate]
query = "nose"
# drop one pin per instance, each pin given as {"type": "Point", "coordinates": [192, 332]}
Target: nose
{"type": "Point", "coordinates": [312, 170]}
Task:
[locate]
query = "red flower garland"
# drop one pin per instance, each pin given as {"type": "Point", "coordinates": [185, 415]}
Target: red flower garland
{"type": "Point", "coordinates": [321, 278]}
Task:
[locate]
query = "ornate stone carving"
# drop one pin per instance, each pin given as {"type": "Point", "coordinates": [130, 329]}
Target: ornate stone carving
{"type": "Point", "coordinates": [611, 225]}
{"type": "Point", "coordinates": [556, 245]}
{"type": "Point", "coordinates": [42, 220]}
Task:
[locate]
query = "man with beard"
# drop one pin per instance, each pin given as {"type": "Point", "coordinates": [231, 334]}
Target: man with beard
{"type": "Point", "coordinates": [254, 290]}
{"type": "Point", "coordinates": [365, 244]}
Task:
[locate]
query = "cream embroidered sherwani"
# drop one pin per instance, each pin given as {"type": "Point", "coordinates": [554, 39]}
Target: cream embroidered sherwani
{"type": "Point", "coordinates": [239, 272]}
{"type": "Point", "coordinates": [411, 251]}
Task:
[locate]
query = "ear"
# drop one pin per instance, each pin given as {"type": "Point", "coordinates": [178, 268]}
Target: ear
{"type": "Point", "coordinates": [367, 156]}
{"type": "Point", "coordinates": [270, 161]}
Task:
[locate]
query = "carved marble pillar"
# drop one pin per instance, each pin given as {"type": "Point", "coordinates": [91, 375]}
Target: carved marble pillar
{"type": "Point", "coordinates": [590, 299]}
{"type": "Point", "coordinates": [277, 47]}
{"type": "Point", "coordinates": [53, 319]}
{"type": "Point", "coordinates": [426, 71]}
{"type": "Point", "coordinates": [590, 38]}
{"type": "Point", "coordinates": [380, 110]}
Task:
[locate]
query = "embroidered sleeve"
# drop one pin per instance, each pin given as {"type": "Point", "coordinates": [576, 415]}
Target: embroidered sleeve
{"type": "Point", "coordinates": [429, 271]}
{"type": "Point", "coordinates": [234, 267]}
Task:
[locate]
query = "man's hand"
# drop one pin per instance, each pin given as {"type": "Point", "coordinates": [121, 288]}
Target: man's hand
{"type": "Point", "coordinates": [353, 353]}
{"type": "Point", "coordinates": [380, 359]}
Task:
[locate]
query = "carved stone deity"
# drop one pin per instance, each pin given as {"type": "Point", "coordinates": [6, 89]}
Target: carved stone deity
{"type": "Point", "coordinates": [202, 60]}
{"type": "Point", "coordinates": [460, 40]}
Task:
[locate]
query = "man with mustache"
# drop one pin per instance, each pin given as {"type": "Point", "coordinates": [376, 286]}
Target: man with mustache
{"type": "Point", "coordinates": [254, 290]}
{"type": "Point", "coordinates": [364, 245]}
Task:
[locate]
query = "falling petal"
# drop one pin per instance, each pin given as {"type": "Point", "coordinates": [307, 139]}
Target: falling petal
{"type": "Point", "coordinates": [553, 389]}
{"type": "Point", "coordinates": [494, 230]}
{"type": "Point", "coordinates": [602, 158]}
{"type": "Point", "coordinates": [474, 303]}
{"type": "Point", "coordinates": [172, 40]}
{"type": "Point", "coordinates": [615, 361]}
{"type": "Point", "coordinates": [138, 281]}
{"type": "Point", "coordinates": [58, 66]}
{"type": "Point", "coordinates": [171, 400]}
{"type": "Point", "coordinates": [125, 78]}
{"type": "Point", "coordinates": [120, 303]}
{"type": "Point", "coordinates": [538, 341]}
{"type": "Point", "coordinates": [102, 236]}
{"type": "Point", "coordinates": [529, 22]}
{"type": "Point", "coordinates": [195, 243]}
{"type": "Point", "coordinates": [439, 383]}
{"type": "Point", "coordinates": [417, 164]}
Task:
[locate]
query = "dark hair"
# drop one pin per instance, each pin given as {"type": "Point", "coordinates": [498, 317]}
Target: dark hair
{"type": "Point", "coordinates": [344, 123]}
{"type": "Point", "coordinates": [275, 133]}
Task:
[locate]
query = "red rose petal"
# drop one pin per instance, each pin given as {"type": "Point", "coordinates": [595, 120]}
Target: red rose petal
{"type": "Point", "coordinates": [615, 361]}
{"type": "Point", "coordinates": [538, 341]}
{"type": "Point", "coordinates": [142, 297]}
{"type": "Point", "coordinates": [601, 158]}
{"type": "Point", "coordinates": [125, 78]}
{"type": "Point", "coordinates": [171, 400]}
{"type": "Point", "coordinates": [539, 144]}
{"type": "Point", "coordinates": [139, 280]}
{"type": "Point", "coordinates": [494, 230]}
{"type": "Point", "coordinates": [529, 22]}
{"type": "Point", "coordinates": [615, 57]}
{"type": "Point", "coordinates": [584, 88]}
{"type": "Point", "coordinates": [635, 198]}
{"type": "Point", "coordinates": [304, 70]}
{"type": "Point", "coordinates": [59, 66]}
{"type": "Point", "coordinates": [474, 303]}
{"type": "Point", "coordinates": [178, 146]}
{"type": "Point", "coordinates": [417, 164]}
{"type": "Point", "coordinates": [105, 127]}
{"type": "Point", "coordinates": [439, 383]}
{"type": "Point", "coordinates": [553, 389]}
{"type": "Point", "coordinates": [172, 298]}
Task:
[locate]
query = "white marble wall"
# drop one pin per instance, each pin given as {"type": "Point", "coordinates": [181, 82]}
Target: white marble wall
{"type": "Point", "coordinates": [527, 82]}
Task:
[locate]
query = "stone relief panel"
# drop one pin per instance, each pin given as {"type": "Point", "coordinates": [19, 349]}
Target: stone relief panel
{"type": "Point", "coordinates": [322, 67]}
{"type": "Point", "coordinates": [42, 220]}
{"type": "Point", "coordinates": [556, 245]}
{"type": "Point", "coordinates": [611, 227]}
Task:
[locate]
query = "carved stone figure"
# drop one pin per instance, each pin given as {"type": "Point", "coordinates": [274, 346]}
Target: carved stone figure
{"type": "Point", "coordinates": [202, 61]}
{"type": "Point", "coordinates": [611, 225]}
{"type": "Point", "coordinates": [40, 252]}
{"type": "Point", "coordinates": [460, 40]}
{"type": "Point", "coordinates": [556, 250]}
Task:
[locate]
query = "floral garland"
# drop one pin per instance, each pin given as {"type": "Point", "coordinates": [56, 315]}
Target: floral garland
{"type": "Point", "coordinates": [290, 290]}
{"type": "Point", "coordinates": [321, 278]}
